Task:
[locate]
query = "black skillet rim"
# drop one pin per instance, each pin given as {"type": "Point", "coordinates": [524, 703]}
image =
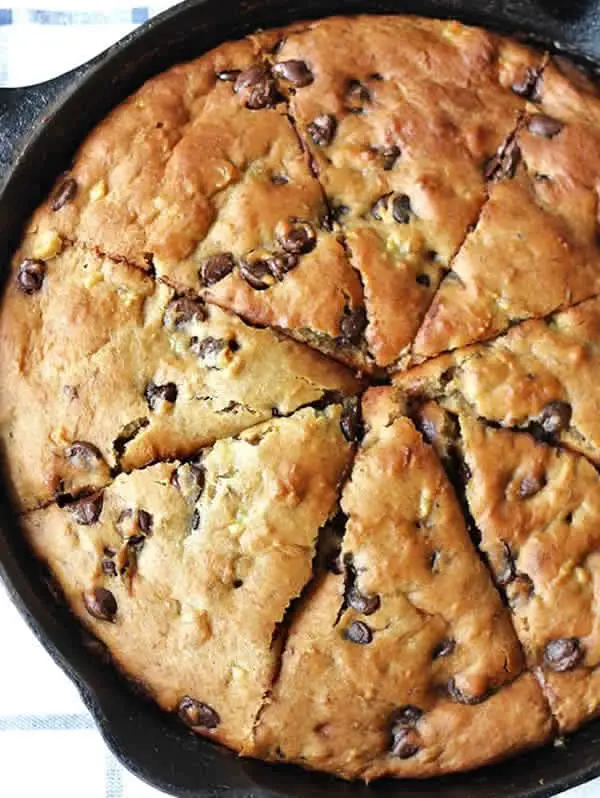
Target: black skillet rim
{"type": "Point", "coordinates": [125, 721]}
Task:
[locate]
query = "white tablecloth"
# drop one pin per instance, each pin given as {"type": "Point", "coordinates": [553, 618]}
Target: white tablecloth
{"type": "Point", "coordinates": [48, 744]}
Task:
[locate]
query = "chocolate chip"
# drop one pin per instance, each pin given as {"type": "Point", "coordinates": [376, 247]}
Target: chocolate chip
{"type": "Point", "coordinates": [197, 715]}
{"type": "Point", "coordinates": [298, 238]}
{"type": "Point", "coordinates": [228, 75]}
{"type": "Point", "coordinates": [351, 420]}
{"type": "Point", "coordinates": [256, 86]}
{"type": "Point", "coordinates": [237, 583]}
{"type": "Point", "coordinates": [216, 268]}
{"type": "Point", "coordinates": [545, 126]}
{"type": "Point", "coordinates": [183, 310]}
{"type": "Point", "coordinates": [208, 348]}
{"type": "Point", "coordinates": [128, 433]}
{"type": "Point", "coordinates": [380, 206]}
{"type": "Point", "coordinates": [295, 72]}
{"type": "Point", "coordinates": [145, 522]}
{"type": "Point", "coordinates": [257, 274]}
{"type": "Point", "coordinates": [424, 280]}
{"type": "Point", "coordinates": [281, 263]}
{"type": "Point", "coordinates": [31, 275]}
{"type": "Point", "coordinates": [462, 698]}
{"type": "Point", "coordinates": [563, 654]}
{"type": "Point", "coordinates": [444, 648]}
{"type": "Point", "coordinates": [434, 562]}
{"type": "Point", "coordinates": [530, 485]}
{"type": "Point", "coordinates": [64, 193]}
{"type": "Point", "coordinates": [390, 156]}
{"type": "Point", "coordinates": [109, 568]}
{"type": "Point", "coordinates": [357, 95]}
{"type": "Point", "coordinates": [87, 511]}
{"type": "Point", "coordinates": [154, 394]}
{"type": "Point", "coordinates": [136, 542]}
{"type": "Point", "coordinates": [353, 325]}
{"type": "Point", "coordinates": [322, 129]}
{"type": "Point", "coordinates": [406, 717]}
{"type": "Point", "coordinates": [196, 520]}
{"type": "Point", "coordinates": [337, 213]}
{"type": "Point", "coordinates": [555, 417]}
{"type": "Point", "coordinates": [358, 632]}
{"type": "Point", "coordinates": [366, 605]}
{"type": "Point", "coordinates": [528, 86]}
{"type": "Point", "coordinates": [509, 571]}
{"type": "Point", "coordinates": [401, 210]}
{"type": "Point", "coordinates": [404, 744]}
{"type": "Point", "coordinates": [279, 180]}
{"type": "Point", "coordinates": [108, 551]}
{"type": "Point", "coordinates": [426, 427]}
{"type": "Point", "coordinates": [83, 454]}
{"type": "Point", "coordinates": [100, 603]}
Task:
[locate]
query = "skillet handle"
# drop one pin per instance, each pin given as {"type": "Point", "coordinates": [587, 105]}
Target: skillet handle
{"type": "Point", "coordinates": [22, 110]}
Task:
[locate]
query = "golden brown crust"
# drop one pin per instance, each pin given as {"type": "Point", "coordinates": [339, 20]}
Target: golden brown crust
{"type": "Point", "coordinates": [421, 626]}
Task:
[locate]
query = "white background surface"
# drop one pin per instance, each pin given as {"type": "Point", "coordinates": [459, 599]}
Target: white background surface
{"type": "Point", "coordinates": [45, 762]}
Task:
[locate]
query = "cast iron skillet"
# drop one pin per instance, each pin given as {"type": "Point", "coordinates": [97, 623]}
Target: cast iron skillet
{"type": "Point", "coordinates": [40, 128]}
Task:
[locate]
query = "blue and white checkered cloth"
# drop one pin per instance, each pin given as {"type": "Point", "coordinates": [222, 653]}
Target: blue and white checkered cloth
{"type": "Point", "coordinates": [48, 743]}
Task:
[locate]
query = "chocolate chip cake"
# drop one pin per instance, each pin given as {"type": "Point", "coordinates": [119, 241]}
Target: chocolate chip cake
{"type": "Point", "coordinates": [312, 326]}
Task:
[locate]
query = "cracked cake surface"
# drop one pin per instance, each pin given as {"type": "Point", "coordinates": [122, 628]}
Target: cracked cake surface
{"type": "Point", "coordinates": [311, 326]}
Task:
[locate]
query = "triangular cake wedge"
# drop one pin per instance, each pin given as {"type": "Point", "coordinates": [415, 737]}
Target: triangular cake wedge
{"type": "Point", "coordinates": [537, 509]}
{"type": "Point", "coordinates": [115, 370]}
{"type": "Point", "coordinates": [535, 247]}
{"type": "Point", "coordinates": [541, 375]}
{"type": "Point", "coordinates": [391, 669]}
{"type": "Point", "coordinates": [400, 138]}
{"type": "Point", "coordinates": [185, 571]}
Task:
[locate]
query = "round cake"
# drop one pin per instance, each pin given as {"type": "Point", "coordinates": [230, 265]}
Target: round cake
{"type": "Point", "coordinates": [301, 394]}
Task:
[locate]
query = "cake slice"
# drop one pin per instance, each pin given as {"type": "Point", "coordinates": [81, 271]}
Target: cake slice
{"type": "Point", "coordinates": [408, 665]}
{"type": "Point", "coordinates": [185, 571]}
{"type": "Point", "coordinates": [116, 371]}
{"type": "Point", "coordinates": [537, 510]}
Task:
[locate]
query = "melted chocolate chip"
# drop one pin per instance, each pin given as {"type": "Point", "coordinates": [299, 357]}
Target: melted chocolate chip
{"type": "Point", "coordinates": [424, 280]}
{"type": "Point", "coordinates": [257, 274]}
{"type": "Point", "coordinates": [529, 86]}
{"type": "Point", "coordinates": [295, 72]}
{"type": "Point", "coordinates": [401, 210]}
{"type": "Point", "coordinates": [380, 206]}
{"type": "Point", "coordinates": [366, 605]}
{"type": "Point", "coordinates": [406, 716]}
{"type": "Point", "coordinates": [555, 417]}
{"type": "Point", "coordinates": [145, 522]}
{"type": "Point", "coordinates": [353, 325]}
{"type": "Point", "coordinates": [358, 632]}
{"type": "Point", "coordinates": [563, 654]}
{"type": "Point", "coordinates": [216, 268]}
{"type": "Point", "coordinates": [281, 263]}
{"type": "Point", "coordinates": [444, 648]}
{"type": "Point", "coordinates": [30, 276]}
{"type": "Point", "coordinates": [184, 310]}
{"type": "Point", "coordinates": [208, 348]}
{"type": "Point", "coordinates": [64, 193]}
{"type": "Point", "coordinates": [530, 485]}
{"type": "Point", "coordinates": [257, 87]}
{"type": "Point", "coordinates": [298, 238]}
{"type": "Point", "coordinates": [87, 511]}
{"type": "Point", "coordinates": [279, 180]}
{"type": "Point", "coordinates": [462, 698]}
{"type": "Point", "coordinates": [155, 394]}
{"type": "Point", "coordinates": [504, 164]}
{"type": "Point", "coordinates": [322, 129]}
{"type": "Point", "coordinates": [390, 156]}
{"type": "Point", "coordinates": [404, 743]}
{"type": "Point", "coordinates": [109, 568]}
{"type": "Point", "coordinates": [351, 420]}
{"type": "Point", "coordinates": [545, 126]}
{"type": "Point", "coordinates": [100, 603]}
{"type": "Point", "coordinates": [198, 715]}
{"type": "Point", "coordinates": [83, 454]}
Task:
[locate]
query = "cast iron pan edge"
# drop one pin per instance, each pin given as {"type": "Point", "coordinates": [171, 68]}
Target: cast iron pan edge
{"type": "Point", "coordinates": [40, 128]}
